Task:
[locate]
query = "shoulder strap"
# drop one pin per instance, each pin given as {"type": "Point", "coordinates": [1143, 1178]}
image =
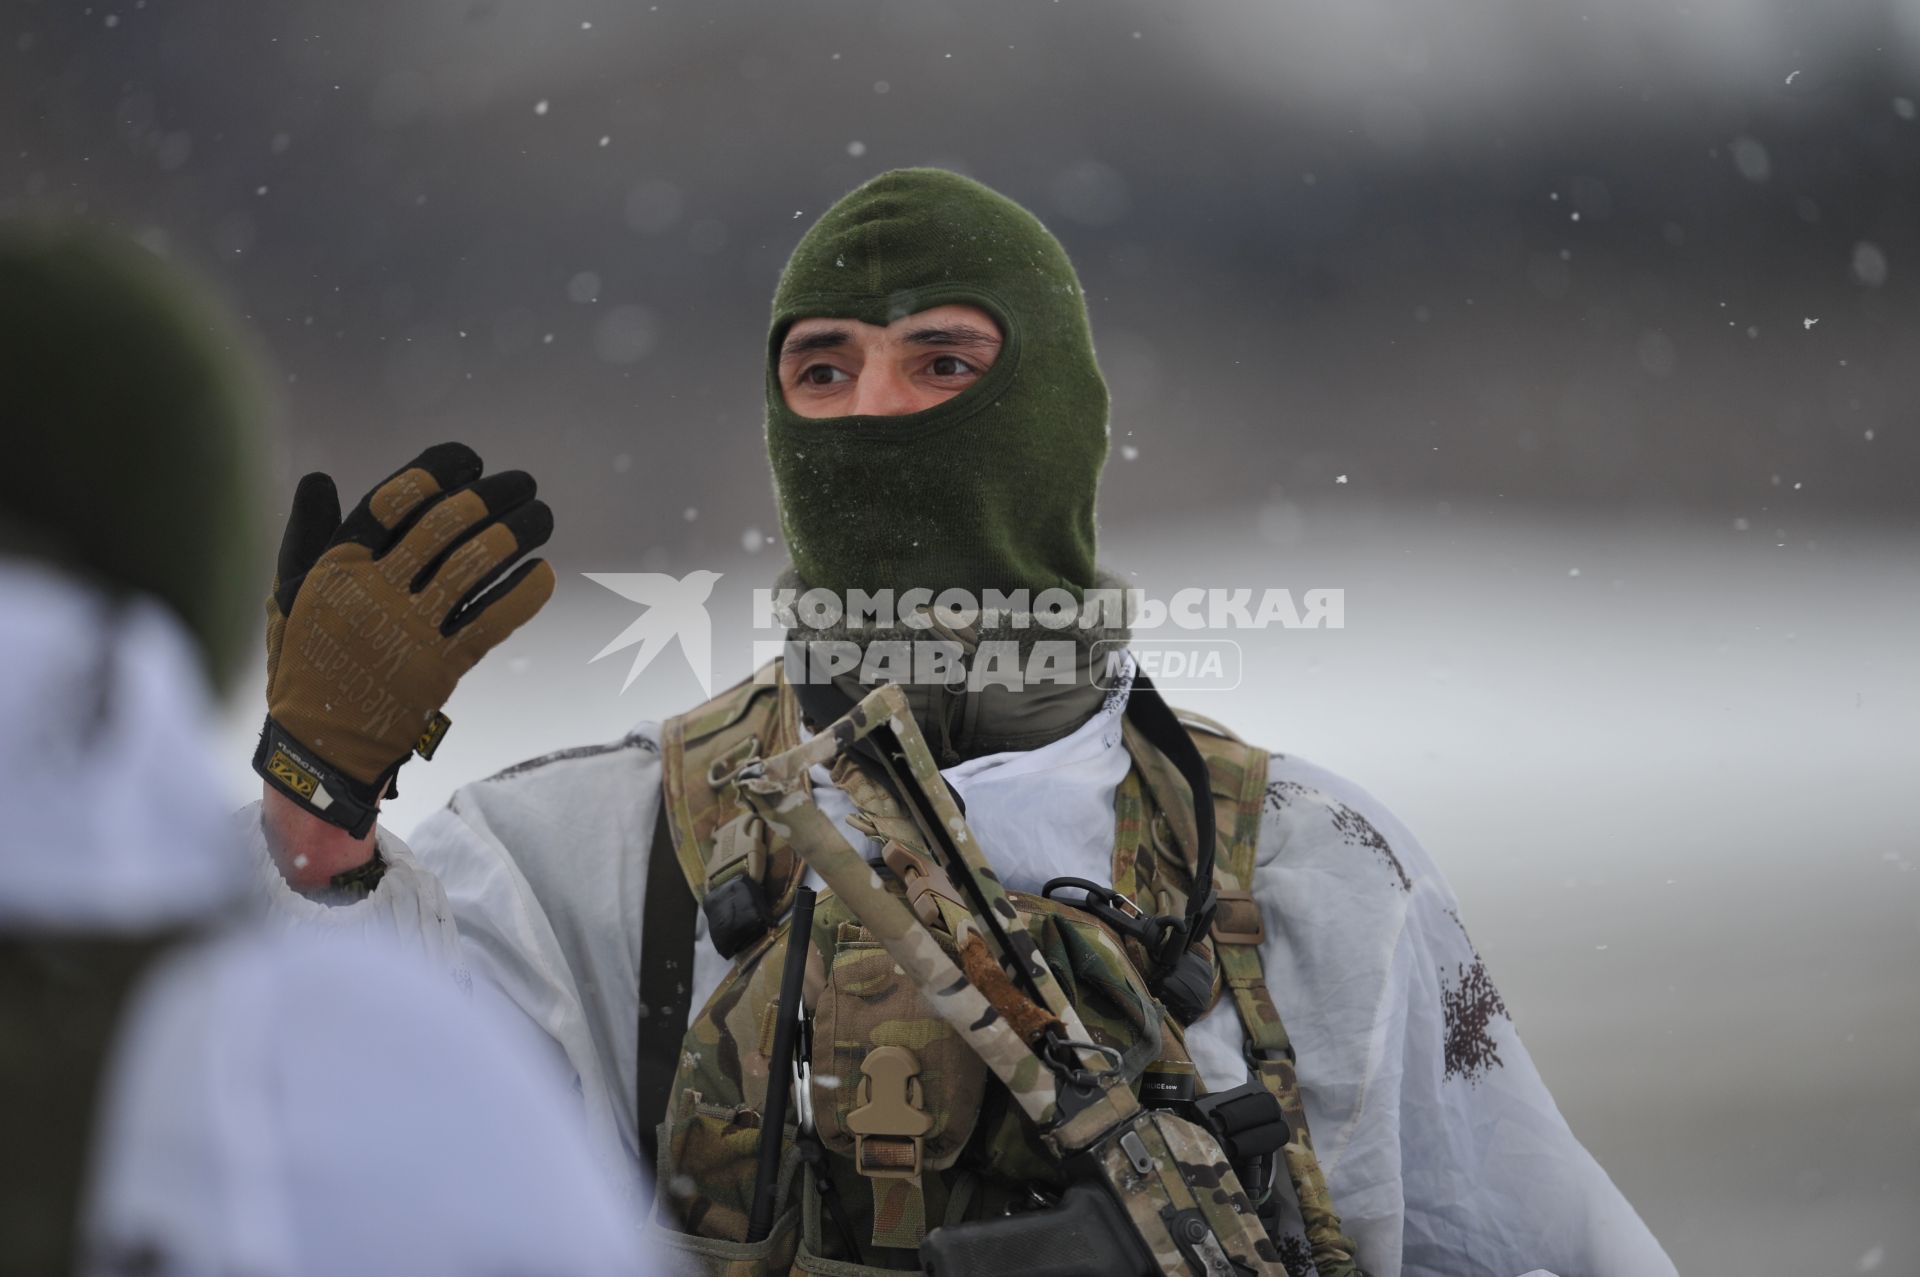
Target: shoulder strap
{"type": "Point", "coordinates": [742, 879]}
{"type": "Point", "coordinates": [666, 988]}
{"type": "Point", "coordinates": [1153, 798]}
{"type": "Point", "coordinates": [1237, 780]}
{"type": "Point", "coordinates": [1197, 723]}
{"type": "Point", "coordinates": [699, 752]}
{"type": "Point", "coordinates": [1156, 836]}
{"type": "Point", "coordinates": [1238, 772]}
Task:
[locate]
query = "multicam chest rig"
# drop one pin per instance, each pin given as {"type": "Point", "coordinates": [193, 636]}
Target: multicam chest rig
{"type": "Point", "coordinates": [981, 1080]}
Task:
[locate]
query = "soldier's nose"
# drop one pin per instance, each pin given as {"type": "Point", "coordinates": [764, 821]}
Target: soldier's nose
{"type": "Point", "coordinates": [886, 392]}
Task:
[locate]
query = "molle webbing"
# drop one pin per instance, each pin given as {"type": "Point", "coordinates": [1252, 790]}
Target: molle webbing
{"type": "Point", "coordinates": [1153, 855]}
{"type": "Point", "coordinates": [1165, 1172]}
{"type": "Point", "coordinates": [721, 846]}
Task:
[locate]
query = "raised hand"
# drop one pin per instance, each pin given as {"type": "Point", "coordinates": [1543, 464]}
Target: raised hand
{"type": "Point", "coordinates": [374, 618]}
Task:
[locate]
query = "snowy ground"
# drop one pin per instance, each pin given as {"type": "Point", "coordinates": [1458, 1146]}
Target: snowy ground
{"type": "Point", "coordinates": [1665, 765]}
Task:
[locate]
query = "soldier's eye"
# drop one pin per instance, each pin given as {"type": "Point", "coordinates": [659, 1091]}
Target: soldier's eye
{"type": "Point", "coordinates": [950, 366]}
{"type": "Point", "coordinates": [823, 375]}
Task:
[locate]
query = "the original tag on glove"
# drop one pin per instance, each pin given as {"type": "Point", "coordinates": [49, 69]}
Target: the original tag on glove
{"type": "Point", "coordinates": [372, 620]}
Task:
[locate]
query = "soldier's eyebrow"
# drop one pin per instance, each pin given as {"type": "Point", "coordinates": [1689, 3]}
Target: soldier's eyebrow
{"type": "Point", "coordinates": [965, 336]}
{"type": "Point", "coordinates": [821, 339]}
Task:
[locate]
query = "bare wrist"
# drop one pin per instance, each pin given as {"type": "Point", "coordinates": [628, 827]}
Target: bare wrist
{"type": "Point", "coordinates": [308, 851]}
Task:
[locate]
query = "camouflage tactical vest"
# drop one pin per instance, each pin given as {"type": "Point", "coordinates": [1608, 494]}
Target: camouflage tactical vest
{"type": "Point", "coordinates": [910, 1130]}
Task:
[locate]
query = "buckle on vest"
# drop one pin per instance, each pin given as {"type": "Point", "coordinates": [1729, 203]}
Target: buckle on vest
{"type": "Point", "coordinates": [1248, 1120]}
{"type": "Point", "coordinates": [890, 1126]}
{"type": "Point", "coordinates": [1238, 920]}
{"type": "Point", "coordinates": [1267, 1059]}
{"type": "Point", "coordinates": [737, 914]}
{"type": "Point", "coordinates": [726, 766]}
{"type": "Point", "coordinates": [923, 879]}
{"type": "Point", "coordinates": [736, 905]}
{"type": "Point", "coordinates": [1251, 1125]}
{"type": "Point", "coordinates": [1184, 985]}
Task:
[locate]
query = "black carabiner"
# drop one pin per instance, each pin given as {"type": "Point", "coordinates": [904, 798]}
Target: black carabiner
{"type": "Point", "coordinates": [1112, 908]}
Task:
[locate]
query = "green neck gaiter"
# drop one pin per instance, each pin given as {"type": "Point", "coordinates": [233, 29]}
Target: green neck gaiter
{"type": "Point", "coordinates": [991, 490]}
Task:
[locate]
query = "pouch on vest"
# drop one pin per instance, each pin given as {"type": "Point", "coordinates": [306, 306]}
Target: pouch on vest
{"type": "Point", "coordinates": [1012, 1003]}
{"type": "Point", "coordinates": [866, 1006]}
{"type": "Point", "coordinates": [1153, 858]}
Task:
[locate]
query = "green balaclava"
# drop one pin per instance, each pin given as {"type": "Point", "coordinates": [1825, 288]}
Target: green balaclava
{"type": "Point", "coordinates": [991, 490]}
{"type": "Point", "coordinates": [132, 455]}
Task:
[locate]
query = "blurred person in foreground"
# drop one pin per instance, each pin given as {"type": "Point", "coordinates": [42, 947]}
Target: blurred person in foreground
{"type": "Point", "coordinates": [1253, 945]}
{"type": "Point", "coordinates": [186, 1092]}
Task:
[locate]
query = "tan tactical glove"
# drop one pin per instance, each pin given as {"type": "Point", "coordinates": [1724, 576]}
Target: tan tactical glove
{"type": "Point", "coordinates": [373, 620]}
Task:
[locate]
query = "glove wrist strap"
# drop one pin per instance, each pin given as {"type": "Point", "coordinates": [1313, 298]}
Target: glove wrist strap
{"type": "Point", "coordinates": [312, 784]}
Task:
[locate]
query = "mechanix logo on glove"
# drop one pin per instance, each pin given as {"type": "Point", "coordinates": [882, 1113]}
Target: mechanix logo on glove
{"type": "Point", "coordinates": [374, 618]}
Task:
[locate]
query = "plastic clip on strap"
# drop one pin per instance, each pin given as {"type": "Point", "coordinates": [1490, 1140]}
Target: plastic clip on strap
{"type": "Point", "coordinates": [889, 1129]}
{"type": "Point", "coordinates": [890, 1125]}
{"type": "Point", "coordinates": [1251, 1127]}
{"type": "Point", "coordinates": [927, 884]}
{"type": "Point", "coordinates": [736, 905]}
{"type": "Point", "coordinates": [737, 914]}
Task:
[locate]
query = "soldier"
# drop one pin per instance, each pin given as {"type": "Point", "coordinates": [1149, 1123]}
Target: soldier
{"type": "Point", "coordinates": [186, 1093]}
{"type": "Point", "coordinates": [935, 419]}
